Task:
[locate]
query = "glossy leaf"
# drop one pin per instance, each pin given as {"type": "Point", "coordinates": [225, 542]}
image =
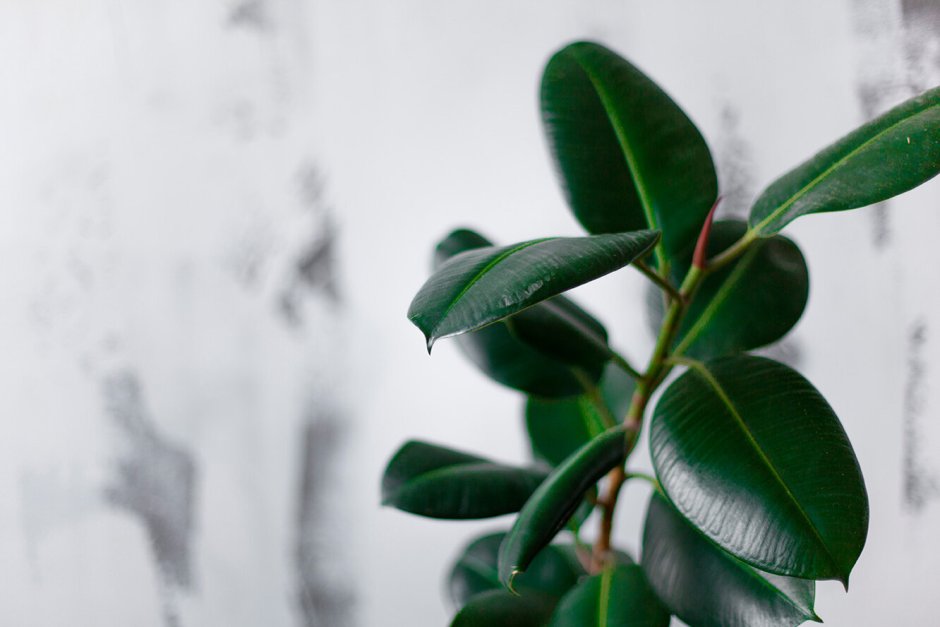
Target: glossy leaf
{"type": "Point", "coordinates": [501, 353]}
{"type": "Point", "coordinates": [484, 285]}
{"type": "Point", "coordinates": [553, 503]}
{"type": "Point", "coordinates": [752, 455]}
{"type": "Point", "coordinates": [627, 155]}
{"type": "Point", "coordinates": [553, 571]}
{"type": "Point", "coordinates": [439, 482]}
{"type": "Point", "coordinates": [706, 587]}
{"type": "Point", "coordinates": [559, 427]}
{"type": "Point", "coordinates": [888, 156]}
{"type": "Point", "coordinates": [619, 596]}
{"type": "Point", "coordinates": [499, 608]}
{"type": "Point", "coordinates": [752, 302]}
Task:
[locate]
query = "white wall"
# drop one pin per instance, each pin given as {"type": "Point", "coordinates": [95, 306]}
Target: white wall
{"type": "Point", "coordinates": [171, 171]}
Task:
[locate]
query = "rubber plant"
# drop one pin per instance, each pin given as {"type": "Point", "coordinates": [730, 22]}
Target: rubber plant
{"type": "Point", "coordinates": [757, 493]}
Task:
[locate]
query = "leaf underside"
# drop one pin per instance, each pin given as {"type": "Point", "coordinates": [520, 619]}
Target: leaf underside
{"type": "Point", "coordinates": [706, 587]}
{"type": "Point", "coordinates": [556, 499]}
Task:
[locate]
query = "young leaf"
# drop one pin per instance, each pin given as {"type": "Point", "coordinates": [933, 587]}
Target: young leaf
{"type": "Point", "coordinates": [498, 608]}
{"type": "Point", "coordinates": [556, 499]}
{"type": "Point", "coordinates": [753, 456]}
{"type": "Point", "coordinates": [890, 155]}
{"type": "Point", "coordinates": [704, 586]}
{"type": "Point", "coordinates": [553, 571]}
{"type": "Point", "coordinates": [559, 427]}
{"type": "Point", "coordinates": [516, 356]}
{"type": "Point", "coordinates": [627, 155]}
{"type": "Point", "coordinates": [618, 597]}
{"type": "Point", "coordinates": [484, 285]}
{"type": "Point", "coordinates": [752, 302]}
{"type": "Point", "coordinates": [439, 482]}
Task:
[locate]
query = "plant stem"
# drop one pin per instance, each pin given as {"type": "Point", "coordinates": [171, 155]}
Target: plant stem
{"type": "Point", "coordinates": [659, 281]}
{"type": "Point", "coordinates": [657, 370]}
{"type": "Point", "coordinates": [624, 365]}
{"type": "Point", "coordinates": [730, 254]}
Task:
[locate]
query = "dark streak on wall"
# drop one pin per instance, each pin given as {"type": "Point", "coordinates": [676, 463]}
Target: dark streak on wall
{"type": "Point", "coordinates": [734, 159]}
{"type": "Point", "coordinates": [323, 599]}
{"type": "Point", "coordinates": [920, 485]}
{"type": "Point", "coordinates": [314, 268]}
{"type": "Point", "coordinates": [155, 481]}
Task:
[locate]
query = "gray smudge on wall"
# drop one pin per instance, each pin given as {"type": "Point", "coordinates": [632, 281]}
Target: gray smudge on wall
{"type": "Point", "coordinates": [314, 266]}
{"type": "Point", "coordinates": [734, 164]}
{"type": "Point", "coordinates": [920, 484]}
{"type": "Point", "coordinates": [324, 599]}
{"type": "Point", "coordinates": [155, 481]}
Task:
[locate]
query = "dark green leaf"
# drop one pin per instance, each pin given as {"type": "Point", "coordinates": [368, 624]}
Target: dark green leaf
{"type": "Point", "coordinates": [439, 482]}
{"type": "Point", "coordinates": [498, 608]}
{"type": "Point", "coordinates": [890, 155]}
{"type": "Point", "coordinates": [706, 587]}
{"type": "Point", "coordinates": [501, 354]}
{"type": "Point", "coordinates": [553, 503]}
{"type": "Point", "coordinates": [752, 454]}
{"type": "Point", "coordinates": [618, 597]}
{"type": "Point", "coordinates": [557, 428]}
{"type": "Point", "coordinates": [553, 571]}
{"type": "Point", "coordinates": [484, 285]}
{"type": "Point", "coordinates": [752, 302]}
{"type": "Point", "coordinates": [628, 156]}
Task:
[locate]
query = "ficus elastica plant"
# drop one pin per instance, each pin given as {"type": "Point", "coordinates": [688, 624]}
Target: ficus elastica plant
{"type": "Point", "coordinates": [756, 492]}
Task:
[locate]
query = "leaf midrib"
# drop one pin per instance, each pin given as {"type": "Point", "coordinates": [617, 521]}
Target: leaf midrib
{"type": "Point", "coordinates": [835, 166]}
{"type": "Point", "coordinates": [700, 368]}
{"type": "Point", "coordinates": [622, 140]}
{"type": "Point", "coordinates": [603, 600]}
{"type": "Point", "coordinates": [483, 272]}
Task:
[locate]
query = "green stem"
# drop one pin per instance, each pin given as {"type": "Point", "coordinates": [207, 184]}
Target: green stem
{"type": "Point", "coordinates": [660, 365]}
{"type": "Point", "coordinates": [653, 481]}
{"type": "Point", "coordinates": [730, 254]}
{"type": "Point", "coordinates": [593, 392]}
{"type": "Point", "coordinates": [657, 280]}
{"type": "Point", "coordinates": [624, 365]}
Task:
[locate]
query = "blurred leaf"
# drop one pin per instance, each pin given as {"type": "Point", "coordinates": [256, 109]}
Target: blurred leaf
{"type": "Point", "coordinates": [484, 285]}
{"type": "Point", "coordinates": [752, 302]}
{"type": "Point", "coordinates": [439, 482]}
{"type": "Point", "coordinates": [519, 357]}
{"type": "Point", "coordinates": [557, 428]}
{"type": "Point", "coordinates": [755, 458]}
{"type": "Point", "coordinates": [888, 156]}
{"type": "Point", "coordinates": [499, 608]}
{"type": "Point", "coordinates": [553, 503]}
{"type": "Point", "coordinates": [553, 571]}
{"type": "Point", "coordinates": [618, 597]}
{"type": "Point", "coordinates": [704, 586]}
{"type": "Point", "coordinates": [629, 158]}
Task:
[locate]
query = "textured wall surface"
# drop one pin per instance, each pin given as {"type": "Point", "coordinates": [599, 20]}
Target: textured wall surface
{"type": "Point", "coordinates": [214, 214]}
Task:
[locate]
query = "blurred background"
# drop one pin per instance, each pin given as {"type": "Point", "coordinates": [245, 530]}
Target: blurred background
{"type": "Point", "coordinates": [214, 215]}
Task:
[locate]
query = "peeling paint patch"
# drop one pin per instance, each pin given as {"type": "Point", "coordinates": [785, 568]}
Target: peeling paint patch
{"type": "Point", "coordinates": [323, 596]}
{"type": "Point", "coordinates": [154, 481]}
{"type": "Point", "coordinates": [921, 484]}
